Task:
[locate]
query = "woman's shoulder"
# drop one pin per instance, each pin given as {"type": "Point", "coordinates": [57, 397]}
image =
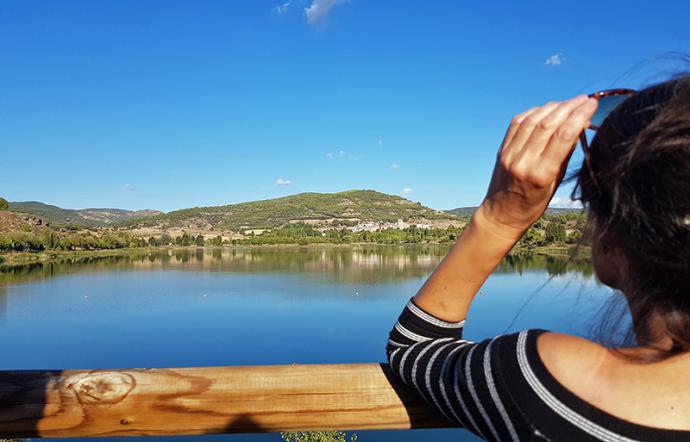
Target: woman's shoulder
{"type": "Point", "coordinates": [613, 391]}
{"type": "Point", "coordinates": [544, 360]}
{"type": "Point", "coordinates": [564, 355]}
{"type": "Point", "coordinates": [577, 363]}
{"type": "Point", "coordinates": [541, 369]}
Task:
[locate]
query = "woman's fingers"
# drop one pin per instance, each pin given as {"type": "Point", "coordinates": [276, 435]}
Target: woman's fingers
{"type": "Point", "coordinates": [514, 126]}
{"type": "Point", "coordinates": [548, 125]}
{"type": "Point", "coordinates": [532, 159]}
{"type": "Point", "coordinates": [524, 127]}
{"type": "Point", "coordinates": [533, 116]}
{"type": "Point", "coordinates": [565, 137]}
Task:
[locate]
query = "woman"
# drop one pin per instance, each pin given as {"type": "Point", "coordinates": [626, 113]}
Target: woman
{"type": "Point", "coordinates": [538, 385]}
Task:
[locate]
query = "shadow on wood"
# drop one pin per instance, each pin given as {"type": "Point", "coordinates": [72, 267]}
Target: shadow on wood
{"type": "Point", "coordinates": [202, 400]}
{"type": "Point", "coordinates": [418, 411]}
{"type": "Point", "coordinates": [244, 424]}
{"type": "Point", "coordinates": [23, 401]}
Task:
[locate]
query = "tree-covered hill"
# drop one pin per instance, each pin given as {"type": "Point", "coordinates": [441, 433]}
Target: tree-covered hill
{"type": "Point", "coordinates": [462, 211]}
{"type": "Point", "coordinates": [81, 217]}
{"type": "Point", "coordinates": [313, 208]}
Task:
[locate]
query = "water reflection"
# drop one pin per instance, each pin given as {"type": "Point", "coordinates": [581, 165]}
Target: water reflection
{"type": "Point", "coordinates": [554, 265]}
{"type": "Point", "coordinates": [257, 306]}
{"type": "Point", "coordinates": [354, 265]}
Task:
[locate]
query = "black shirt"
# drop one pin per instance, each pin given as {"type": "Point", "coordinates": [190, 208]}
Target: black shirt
{"type": "Point", "coordinates": [499, 388]}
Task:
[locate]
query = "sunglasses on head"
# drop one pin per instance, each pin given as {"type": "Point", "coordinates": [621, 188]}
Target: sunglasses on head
{"type": "Point", "coordinates": [608, 101]}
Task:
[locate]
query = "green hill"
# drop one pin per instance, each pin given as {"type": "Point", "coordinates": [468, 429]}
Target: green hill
{"type": "Point", "coordinates": [81, 217]}
{"type": "Point", "coordinates": [312, 208]}
{"type": "Point", "coordinates": [462, 211]}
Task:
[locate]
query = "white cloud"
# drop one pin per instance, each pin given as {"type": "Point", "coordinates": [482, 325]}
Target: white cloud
{"type": "Point", "coordinates": [395, 166]}
{"type": "Point", "coordinates": [406, 190]}
{"type": "Point", "coordinates": [319, 9]}
{"type": "Point", "coordinates": [555, 60]}
{"type": "Point", "coordinates": [129, 188]}
{"type": "Point", "coordinates": [282, 182]}
{"type": "Point", "coordinates": [341, 155]}
{"type": "Point", "coordinates": [283, 8]}
{"type": "Point", "coordinates": [565, 203]}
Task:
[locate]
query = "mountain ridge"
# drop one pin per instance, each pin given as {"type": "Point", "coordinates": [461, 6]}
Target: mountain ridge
{"type": "Point", "coordinates": [306, 207]}
{"type": "Point", "coordinates": [90, 217]}
{"type": "Point", "coordinates": [314, 208]}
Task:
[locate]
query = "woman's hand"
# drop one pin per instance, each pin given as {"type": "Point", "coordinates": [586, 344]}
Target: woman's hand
{"type": "Point", "coordinates": [531, 164]}
{"type": "Point", "coordinates": [529, 168]}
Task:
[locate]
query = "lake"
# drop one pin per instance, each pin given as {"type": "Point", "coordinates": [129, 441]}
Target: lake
{"type": "Point", "coordinates": [234, 306]}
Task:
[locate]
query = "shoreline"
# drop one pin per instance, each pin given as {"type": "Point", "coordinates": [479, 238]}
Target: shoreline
{"type": "Point", "coordinates": [26, 258]}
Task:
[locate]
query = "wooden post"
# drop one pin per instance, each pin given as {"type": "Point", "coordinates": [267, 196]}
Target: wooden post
{"type": "Point", "coordinates": [169, 401]}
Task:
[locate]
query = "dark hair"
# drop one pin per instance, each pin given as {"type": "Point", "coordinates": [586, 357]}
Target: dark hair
{"type": "Point", "coordinates": [638, 196]}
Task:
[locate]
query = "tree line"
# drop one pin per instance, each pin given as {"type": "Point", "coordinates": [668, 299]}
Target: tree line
{"type": "Point", "coordinates": [24, 241]}
{"type": "Point", "coordinates": [303, 234]}
{"type": "Point", "coordinates": [553, 229]}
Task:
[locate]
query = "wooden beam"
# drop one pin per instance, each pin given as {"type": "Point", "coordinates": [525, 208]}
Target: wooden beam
{"type": "Point", "coordinates": [168, 401]}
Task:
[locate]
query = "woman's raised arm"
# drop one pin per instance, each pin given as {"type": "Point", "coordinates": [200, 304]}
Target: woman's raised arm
{"type": "Point", "coordinates": [473, 384]}
{"type": "Point", "coordinates": [529, 167]}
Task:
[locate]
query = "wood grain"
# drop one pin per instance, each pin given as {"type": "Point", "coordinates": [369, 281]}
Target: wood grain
{"type": "Point", "coordinates": [168, 401]}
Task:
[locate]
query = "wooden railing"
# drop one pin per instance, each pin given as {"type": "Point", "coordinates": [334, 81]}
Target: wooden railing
{"type": "Point", "coordinates": [202, 400]}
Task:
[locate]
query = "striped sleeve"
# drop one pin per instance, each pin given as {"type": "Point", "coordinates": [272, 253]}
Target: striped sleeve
{"type": "Point", "coordinates": [461, 379]}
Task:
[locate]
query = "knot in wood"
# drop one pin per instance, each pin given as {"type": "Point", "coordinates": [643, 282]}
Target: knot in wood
{"type": "Point", "coordinates": [101, 387]}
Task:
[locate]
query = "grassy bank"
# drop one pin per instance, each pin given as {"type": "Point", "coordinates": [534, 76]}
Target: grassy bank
{"type": "Point", "coordinates": [21, 258]}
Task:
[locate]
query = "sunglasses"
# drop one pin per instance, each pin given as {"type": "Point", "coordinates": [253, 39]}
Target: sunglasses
{"type": "Point", "coordinates": [608, 101]}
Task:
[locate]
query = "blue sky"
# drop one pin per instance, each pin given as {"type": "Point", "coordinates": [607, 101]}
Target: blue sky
{"type": "Point", "coordinates": [171, 104]}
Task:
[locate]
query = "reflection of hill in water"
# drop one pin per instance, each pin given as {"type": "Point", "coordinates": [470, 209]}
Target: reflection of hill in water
{"type": "Point", "coordinates": [355, 265]}
{"type": "Point", "coordinates": [553, 265]}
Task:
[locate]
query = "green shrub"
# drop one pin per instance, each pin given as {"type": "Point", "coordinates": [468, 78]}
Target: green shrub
{"type": "Point", "coordinates": [555, 232]}
{"type": "Point", "coordinates": [318, 436]}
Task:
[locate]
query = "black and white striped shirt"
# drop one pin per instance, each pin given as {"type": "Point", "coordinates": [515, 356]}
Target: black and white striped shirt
{"type": "Point", "coordinates": [499, 388]}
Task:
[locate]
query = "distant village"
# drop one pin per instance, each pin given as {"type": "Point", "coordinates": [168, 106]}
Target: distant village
{"type": "Point", "coordinates": [357, 226]}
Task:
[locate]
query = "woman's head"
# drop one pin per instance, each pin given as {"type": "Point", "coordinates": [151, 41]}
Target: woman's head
{"type": "Point", "coordinates": [638, 196]}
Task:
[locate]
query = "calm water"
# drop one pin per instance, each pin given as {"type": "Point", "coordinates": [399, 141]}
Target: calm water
{"type": "Point", "coordinates": [279, 306]}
